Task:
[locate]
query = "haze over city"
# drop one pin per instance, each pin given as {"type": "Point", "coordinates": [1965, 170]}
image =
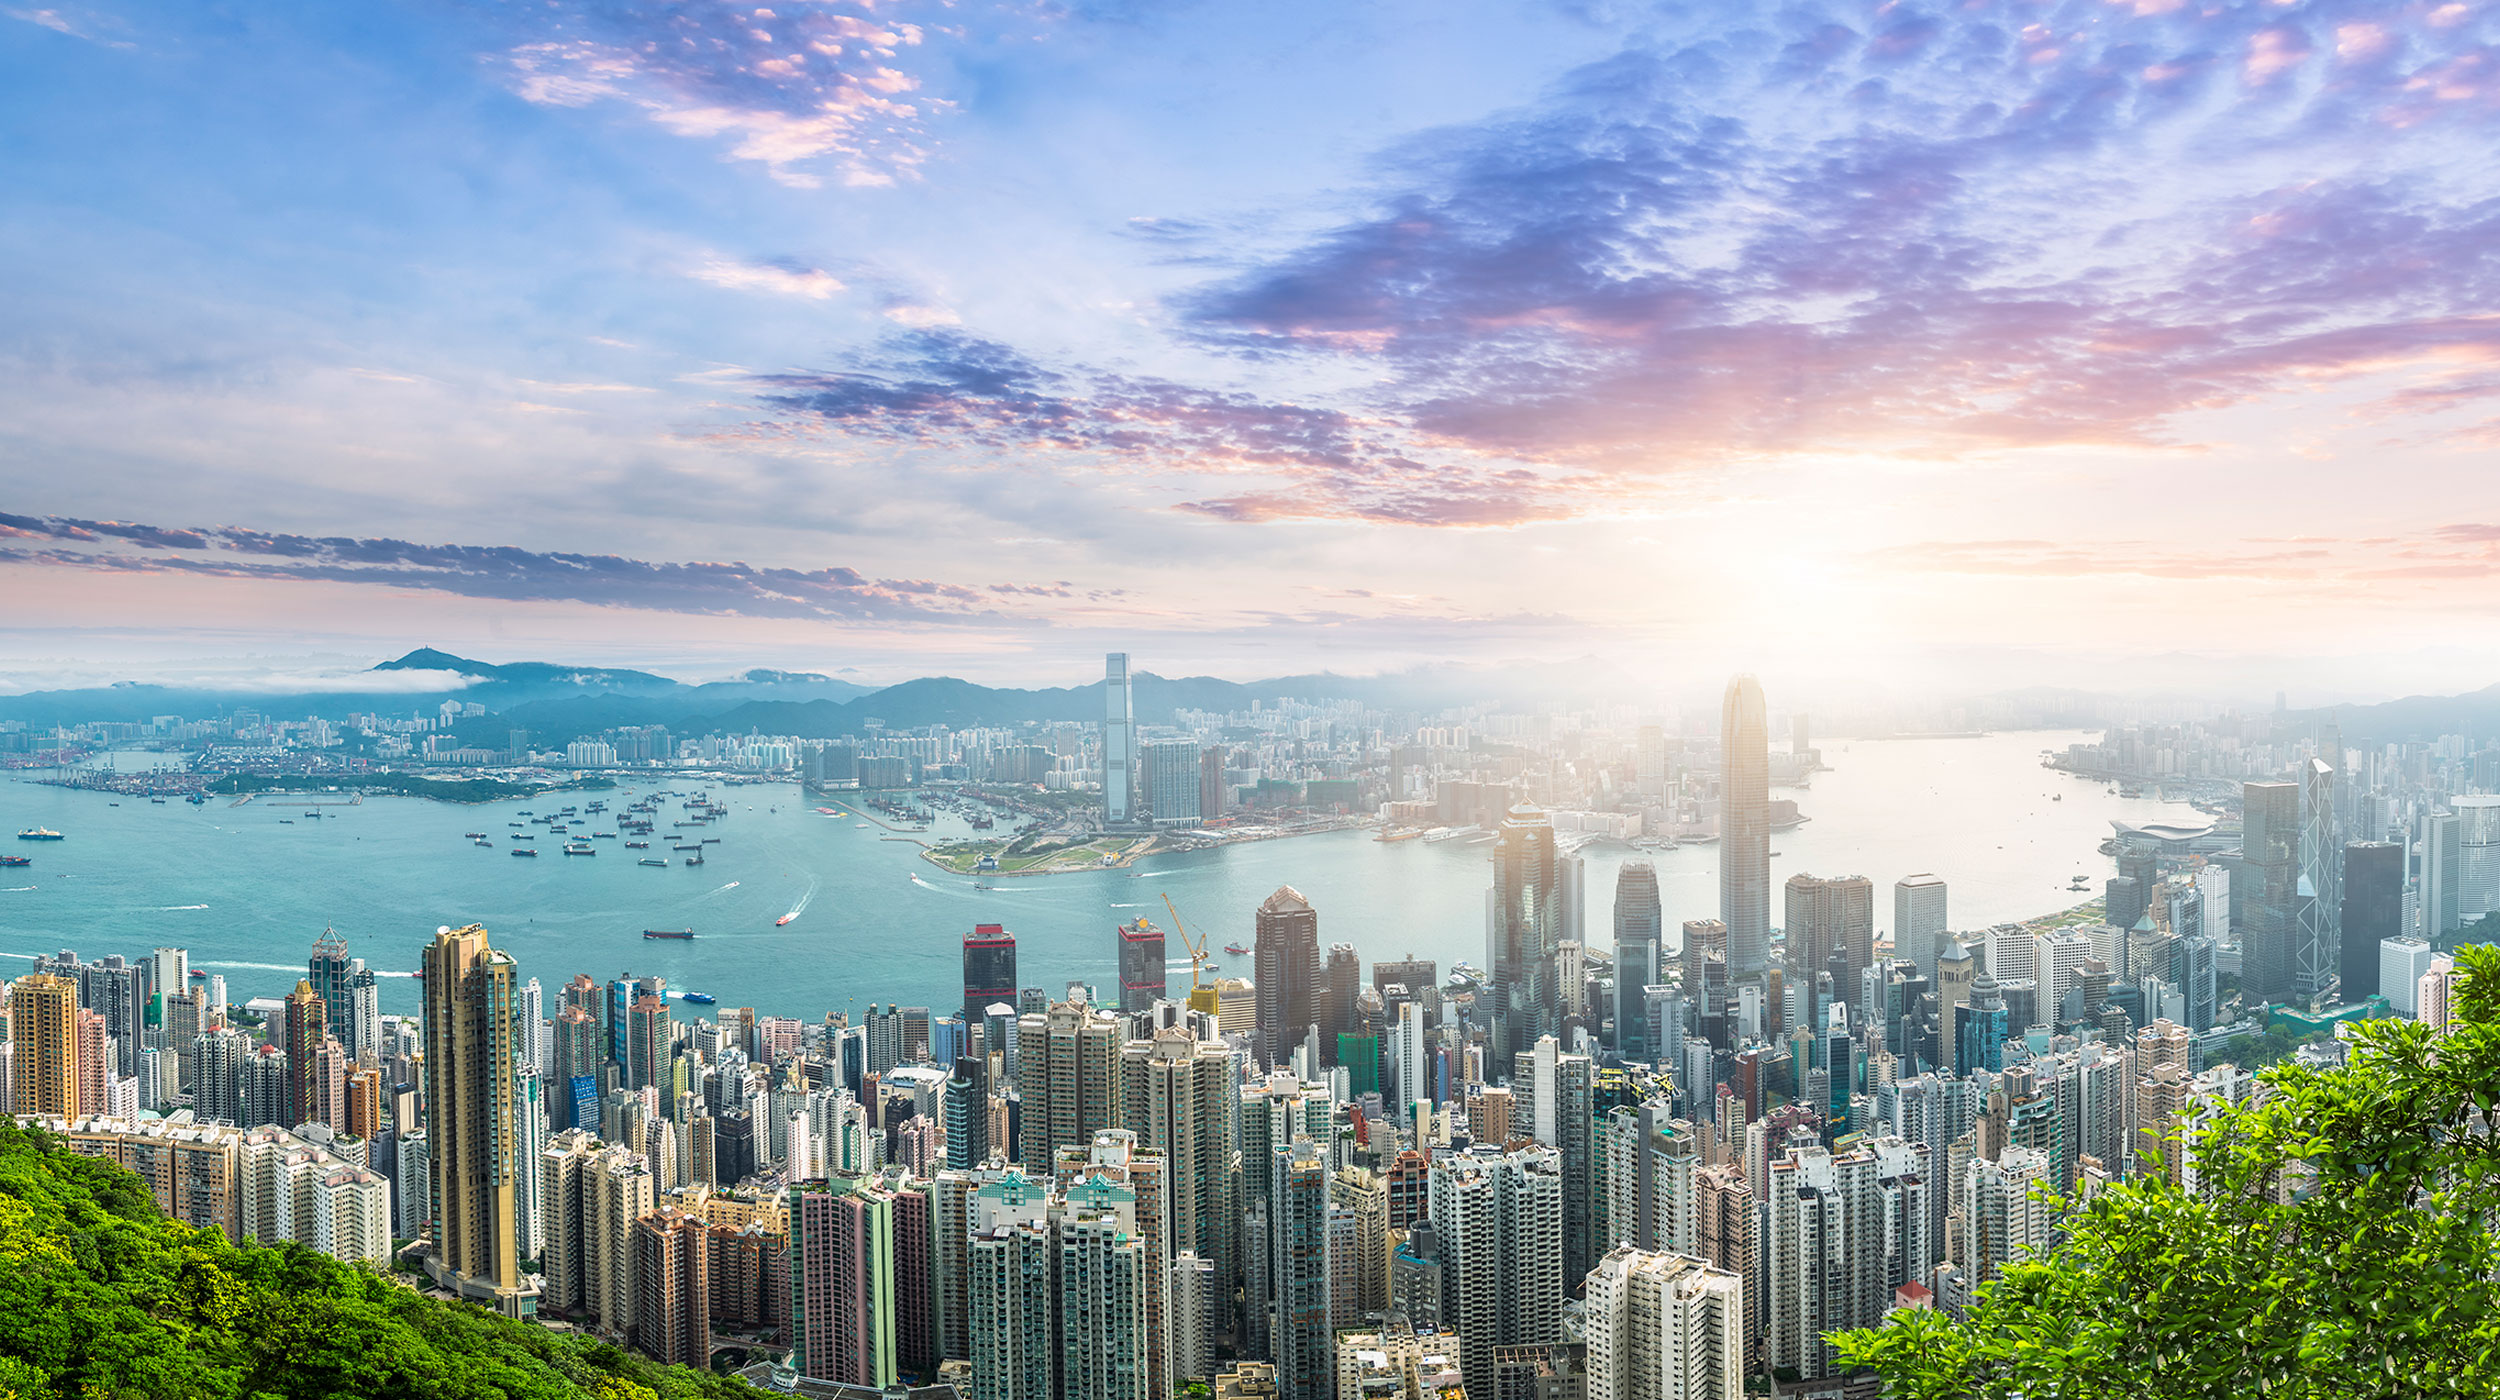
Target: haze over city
{"type": "Point", "coordinates": [1988, 345]}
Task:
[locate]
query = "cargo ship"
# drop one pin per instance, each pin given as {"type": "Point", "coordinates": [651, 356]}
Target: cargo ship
{"type": "Point", "coordinates": [668, 933]}
{"type": "Point", "coordinates": [653, 860]}
{"type": "Point", "coordinates": [523, 851]}
{"type": "Point", "coordinates": [39, 833]}
{"type": "Point", "coordinates": [581, 848]}
{"type": "Point", "coordinates": [16, 860]}
{"type": "Point", "coordinates": [1235, 949]}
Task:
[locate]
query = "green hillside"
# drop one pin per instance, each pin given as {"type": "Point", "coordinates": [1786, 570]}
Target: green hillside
{"type": "Point", "coordinates": [102, 1296]}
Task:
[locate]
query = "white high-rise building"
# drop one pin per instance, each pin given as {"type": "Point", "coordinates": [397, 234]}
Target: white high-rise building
{"type": "Point", "coordinates": [1664, 1327]}
{"type": "Point", "coordinates": [1498, 1217]}
{"type": "Point", "coordinates": [294, 1189]}
{"type": "Point", "coordinates": [2401, 963]}
{"type": "Point", "coordinates": [1918, 920]}
{"type": "Point", "coordinates": [2442, 851]}
{"type": "Point", "coordinates": [2004, 1220]}
{"type": "Point", "coordinates": [1825, 1256]}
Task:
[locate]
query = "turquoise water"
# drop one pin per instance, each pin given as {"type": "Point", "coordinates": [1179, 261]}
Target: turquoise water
{"type": "Point", "coordinates": [247, 889]}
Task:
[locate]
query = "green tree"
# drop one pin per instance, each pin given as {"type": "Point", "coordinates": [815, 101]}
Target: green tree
{"type": "Point", "coordinates": [2341, 1245]}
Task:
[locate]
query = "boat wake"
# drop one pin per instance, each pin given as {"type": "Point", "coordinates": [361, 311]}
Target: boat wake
{"type": "Point", "coordinates": [723, 889]}
{"type": "Point", "coordinates": [176, 908]}
{"type": "Point", "coordinates": [801, 907]}
{"type": "Point", "coordinates": [922, 883]}
{"type": "Point", "coordinates": [1128, 906]}
{"type": "Point", "coordinates": [252, 967]}
{"type": "Point", "coordinates": [17, 889]}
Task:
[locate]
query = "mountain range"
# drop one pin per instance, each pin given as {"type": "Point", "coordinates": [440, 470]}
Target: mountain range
{"type": "Point", "coordinates": [557, 702]}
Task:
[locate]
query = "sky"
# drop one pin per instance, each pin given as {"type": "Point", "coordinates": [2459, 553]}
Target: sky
{"type": "Point", "coordinates": [2120, 344]}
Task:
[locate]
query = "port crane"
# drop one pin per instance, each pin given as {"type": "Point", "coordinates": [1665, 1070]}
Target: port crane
{"type": "Point", "coordinates": [1201, 997]}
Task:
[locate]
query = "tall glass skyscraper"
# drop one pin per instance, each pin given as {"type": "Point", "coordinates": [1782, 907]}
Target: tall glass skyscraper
{"type": "Point", "coordinates": [1524, 928]}
{"type": "Point", "coordinates": [1119, 742]}
{"type": "Point", "coordinates": [1639, 920]}
{"type": "Point", "coordinates": [1745, 830]}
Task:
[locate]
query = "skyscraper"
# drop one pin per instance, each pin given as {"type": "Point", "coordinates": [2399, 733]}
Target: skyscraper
{"type": "Point", "coordinates": [1918, 921]}
{"type": "Point", "coordinates": [2373, 912]}
{"type": "Point", "coordinates": [1827, 918]}
{"type": "Point", "coordinates": [1181, 1102]}
{"type": "Point", "coordinates": [989, 969]}
{"type": "Point", "coordinates": [1745, 830]}
{"type": "Point", "coordinates": [306, 1017]}
{"type": "Point", "coordinates": [842, 1285]}
{"type": "Point", "coordinates": [1664, 1327]}
{"type": "Point", "coordinates": [1297, 1216]}
{"type": "Point", "coordinates": [471, 1060]}
{"type": "Point", "coordinates": [1119, 743]}
{"type": "Point", "coordinates": [1525, 923]}
{"type": "Point", "coordinates": [1286, 956]}
{"type": "Point", "coordinates": [1168, 780]}
{"type": "Point", "coordinates": [2478, 855]}
{"type": "Point", "coordinates": [326, 972]}
{"type": "Point", "coordinates": [2318, 893]}
{"type": "Point", "coordinates": [1497, 1220]}
{"type": "Point", "coordinates": [43, 1045]}
{"type": "Point", "coordinates": [2443, 848]}
{"type": "Point", "coordinates": [1068, 1076]}
{"type": "Point", "coordinates": [1639, 923]}
{"type": "Point", "coordinates": [2270, 866]}
{"type": "Point", "coordinates": [1144, 974]}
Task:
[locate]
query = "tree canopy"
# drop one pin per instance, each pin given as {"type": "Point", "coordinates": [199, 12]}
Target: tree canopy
{"type": "Point", "coordinates": [2339, 1243]}
{"type": "Point", "coordinates": [102, 1296]}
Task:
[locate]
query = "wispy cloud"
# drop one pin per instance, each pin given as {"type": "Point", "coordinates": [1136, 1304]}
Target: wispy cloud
{"type": "Point", "coordinates": [779, 278]}
{"type": "Point", "coordinates": [508, 574]}
{"type": "Point", "coordinates": [801, 86]}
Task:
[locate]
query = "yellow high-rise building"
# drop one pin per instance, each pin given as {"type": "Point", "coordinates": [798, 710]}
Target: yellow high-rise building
{"type": "Point", "coordinates": [472, 1049]}
{"type": "Point", "coordinates": [43, 1031]}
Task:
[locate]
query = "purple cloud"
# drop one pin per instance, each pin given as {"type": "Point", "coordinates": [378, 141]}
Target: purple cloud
{"type": "Point", "coordinates": [512, 575]}
{"type": "Point", "coordinates": [944, 386]}
{"type": "Point", "coordinates": [794, 84]}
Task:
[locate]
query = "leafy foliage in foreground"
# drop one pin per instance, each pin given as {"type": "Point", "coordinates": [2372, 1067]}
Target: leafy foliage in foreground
{"type": "Point", "coordinates": [2342, 1246]}
{"type": "Point", "coordinates": [102, 1296]}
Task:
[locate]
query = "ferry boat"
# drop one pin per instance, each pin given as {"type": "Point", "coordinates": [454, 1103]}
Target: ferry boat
{"type": "Point", "coordinates": [698, 998]}
{"type": "Point", "coordinates": [668, 933]}
{"type": "Point", "coordinates": [652, 860]}
{"type": "Point", "coordinates": [16, 860]}
{"type": "Point", "coordinates": [39, 833]}
{"type": "Point", "coordinates": [523, 851]}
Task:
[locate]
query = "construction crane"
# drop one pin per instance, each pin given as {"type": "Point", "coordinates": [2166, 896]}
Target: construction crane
{"type": "Point", "coordinates": [1201, 998]}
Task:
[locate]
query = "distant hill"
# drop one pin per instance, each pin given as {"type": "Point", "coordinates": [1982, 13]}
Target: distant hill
{"type": "Point", "coordinates": [2475, 715]}
{"type": "Point", "coordinates": [557, 702]}
{"type": "Point", "coordinates": [500, 687]}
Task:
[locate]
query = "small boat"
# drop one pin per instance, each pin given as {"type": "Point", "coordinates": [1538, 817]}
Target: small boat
{"type": "Point", "coordinates": [39, 833]}
{"type": "Point", "coordinates": [653, 860]}
{"type": "Point", "coordinates": [198, 976]}
{"type": "Point", "coordinates": [523, 851]}
{"type": "Point", "coordinates": [668, 933]}
{"type": "Point", "coordinates": [16, 860]}
{"type": "Point", "coordinates": [780, 921]}
{"type": "Point", "coordinates": [156, 802]}
{"type": "Point", "coordinates": [698, 998]}
{"type": "Point", "coordinates": [580, 848]}
{"type": "Point", "coordinates": [694, 860]}
{"type": "Point", "coordinates": [286, 821]}
{"type": "Point", "coordinates": [710, 841]}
